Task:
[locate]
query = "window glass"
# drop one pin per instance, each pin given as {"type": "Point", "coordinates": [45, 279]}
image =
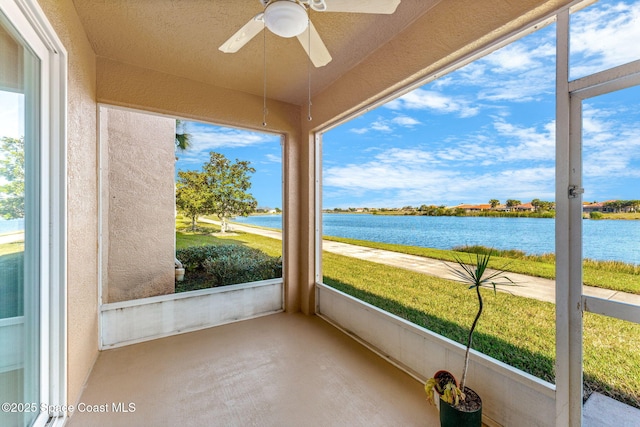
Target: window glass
{"type": "Point", "coordinates": [465, 162]}
{"type": "Point", "coordinates": [604, 35]}
{"type": "Point", "coordinates": [611, 232]}
{"type": "Point", "coordinates": [19, 229]}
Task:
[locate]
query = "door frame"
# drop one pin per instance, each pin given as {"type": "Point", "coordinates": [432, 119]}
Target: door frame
{"type": "Point", "coordinates": [30, 21]}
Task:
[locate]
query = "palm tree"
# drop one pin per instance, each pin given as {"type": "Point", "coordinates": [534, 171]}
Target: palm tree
{"type": "Point", "coordinates": [183, 138]}
{"type": "Point", "coordinates": [476, 276]}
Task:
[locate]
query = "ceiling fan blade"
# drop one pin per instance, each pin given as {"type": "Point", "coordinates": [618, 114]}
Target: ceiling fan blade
{"type": "Point", "coordinates": [362, 6]}
{"type": "Point", "coordinates": [319, 55]}
{"type": "Point", "coordinates": [244, 34]}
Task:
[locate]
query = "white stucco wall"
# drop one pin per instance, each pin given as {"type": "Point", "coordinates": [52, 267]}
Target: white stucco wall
{"type": "Point", "coordinates": [138, 205]}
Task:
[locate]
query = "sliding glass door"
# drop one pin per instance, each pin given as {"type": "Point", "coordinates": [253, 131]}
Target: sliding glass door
{"type": "Point", "coordinates": [19, 230]}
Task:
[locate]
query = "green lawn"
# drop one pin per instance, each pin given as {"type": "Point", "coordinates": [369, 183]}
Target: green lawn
{"type": "Point", "coordinates": [515, 330]}
{"type": "Point", "coordinates": [209, 234]}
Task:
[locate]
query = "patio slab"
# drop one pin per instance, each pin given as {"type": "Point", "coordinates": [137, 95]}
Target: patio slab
{"type": "Point", "coordinates": [277, 370]}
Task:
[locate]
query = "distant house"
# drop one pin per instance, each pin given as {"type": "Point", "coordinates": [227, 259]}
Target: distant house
{"type": "Point", "coordinates": [592, 207]}
{"type": "Point", "coordinates": [473, 208]}
{"type": "Point", "coordinates": [525, 207]}
{"type": "Point", "coordinates": [598, 207]}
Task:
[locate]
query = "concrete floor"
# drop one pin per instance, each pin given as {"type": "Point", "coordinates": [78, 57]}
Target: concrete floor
{"type": "Point", "coordinates": [278, 370]}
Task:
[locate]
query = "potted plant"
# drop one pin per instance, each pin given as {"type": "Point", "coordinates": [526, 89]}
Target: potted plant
{"type": "Point", "coordinates": [459, 405]}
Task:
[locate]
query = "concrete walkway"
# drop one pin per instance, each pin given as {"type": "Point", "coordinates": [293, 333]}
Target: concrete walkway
{"type": "Point", "coordinates": [526, 286]}
{"type": "Point", "coordinates": [18, 236]}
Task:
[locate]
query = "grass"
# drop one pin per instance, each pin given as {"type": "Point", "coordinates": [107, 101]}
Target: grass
{"type": "Point", "coordinates": [209, 234]}
{"type": "Point", "coordinates": [11, 248]}
{"type": "Point", "coordinates": [612, 275]}
{"type": "Point", "coordinates": [621, 215]}
{"type": "Point", "coordinates": [515, 330]}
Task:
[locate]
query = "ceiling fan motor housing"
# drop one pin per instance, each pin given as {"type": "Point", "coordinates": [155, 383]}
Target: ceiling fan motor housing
{"type": "Point", "coordinates": [286, 18]}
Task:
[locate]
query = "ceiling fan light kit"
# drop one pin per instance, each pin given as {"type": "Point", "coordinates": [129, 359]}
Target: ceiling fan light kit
{"type": "Point", "coordinates": [286, 18]}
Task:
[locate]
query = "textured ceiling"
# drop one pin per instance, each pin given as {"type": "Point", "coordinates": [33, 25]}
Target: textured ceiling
{"type": "Point", "coordinates": [181, 37]}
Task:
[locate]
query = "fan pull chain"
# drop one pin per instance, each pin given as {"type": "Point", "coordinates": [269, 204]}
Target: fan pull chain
{"type": "Point", "coordinates": [309, 67]}
{"type": "Point", "coordinates": [264, 83]}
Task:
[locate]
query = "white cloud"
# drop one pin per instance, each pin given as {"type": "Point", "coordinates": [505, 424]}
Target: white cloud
{"type": "Point", "coordinates": [509, 161]}
{"type": "Point", "coordinates": [212, 137]}
{"type": "Point", "coordinates": [519, 72]}
{"type": "Point", "coordinates": [387, 125]}
{"type": "Point", "coordinates": [423, 99]}
{"type": "Point", "coordinates": [405, 121]}
{"type": "Point", "coordinates": [412, 177]}
{"type": "Point", "coordinates": [505, 143]}
{"type": "Point", "coordinates": [206, 138]}
{"type": "Point", "coordinates": [359, 131]}
{"type": "Point", "coordinates": [376, 175]}
{"type": "Point", "coordinates": [611, 143]}
{"type": "Point", "coordinates": [405, 156]}
{"type": "Point", "coordinates": [381, 126]}
{"type": "Point", "coordinates": [603, 36]}
{"type": "Point", "coordinates": [512, 58]}
{"type": "Point", "coordinates": [272, 158]}
{"type": "Point", "coordinates": [525, 143]}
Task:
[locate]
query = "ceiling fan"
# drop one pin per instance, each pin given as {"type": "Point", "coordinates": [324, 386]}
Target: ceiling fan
{"type": "Point", "coordinates": [289, 18]}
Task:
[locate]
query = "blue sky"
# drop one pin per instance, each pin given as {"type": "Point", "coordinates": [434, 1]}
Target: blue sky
{"type": "Point", "coordinates": [484, 131]}
{"type": "Point", "coordinates": [262, 150]}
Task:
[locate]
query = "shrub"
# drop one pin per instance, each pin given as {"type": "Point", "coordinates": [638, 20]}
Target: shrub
{"type": "Point", "coordinates": [230, 264]}
{"type": "Point", "coordinates": [595, 215]}
{"type": "Point", "coordinates": [193, 257]}
{"type": "Point", "coordinates": [483, 250]}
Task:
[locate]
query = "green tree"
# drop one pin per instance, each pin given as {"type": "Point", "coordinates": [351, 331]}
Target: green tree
{"type": "Point", "coordinates": [192, 195]}
{"type": "Point", "coordinates": [494, 203]}
{"type": "Point", "coordinates": [12, 170]}
{"type": "Point", "coordinates": [229, 184]}
{"type": "Point", "coordinates": [613, 206]}
{"type": "Point", "coordinates": [537, 204]}
{"type": "Point", "coordinates": [513, 203]}
{"type": "Point", "coordinates": [546, 206]}
{"type": "Point", "coordinates": [183, 138]}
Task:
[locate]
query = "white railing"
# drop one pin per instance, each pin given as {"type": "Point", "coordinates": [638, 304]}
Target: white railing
{"type": "Point", "coordinates": [145, 319]}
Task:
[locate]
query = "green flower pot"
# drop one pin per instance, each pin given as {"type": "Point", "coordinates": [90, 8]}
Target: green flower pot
{"type": "Point", "coordinates": [454, 417]}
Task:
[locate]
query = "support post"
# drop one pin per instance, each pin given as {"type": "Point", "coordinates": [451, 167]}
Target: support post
{"type": "Point", "coordinates": [568, 239]}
